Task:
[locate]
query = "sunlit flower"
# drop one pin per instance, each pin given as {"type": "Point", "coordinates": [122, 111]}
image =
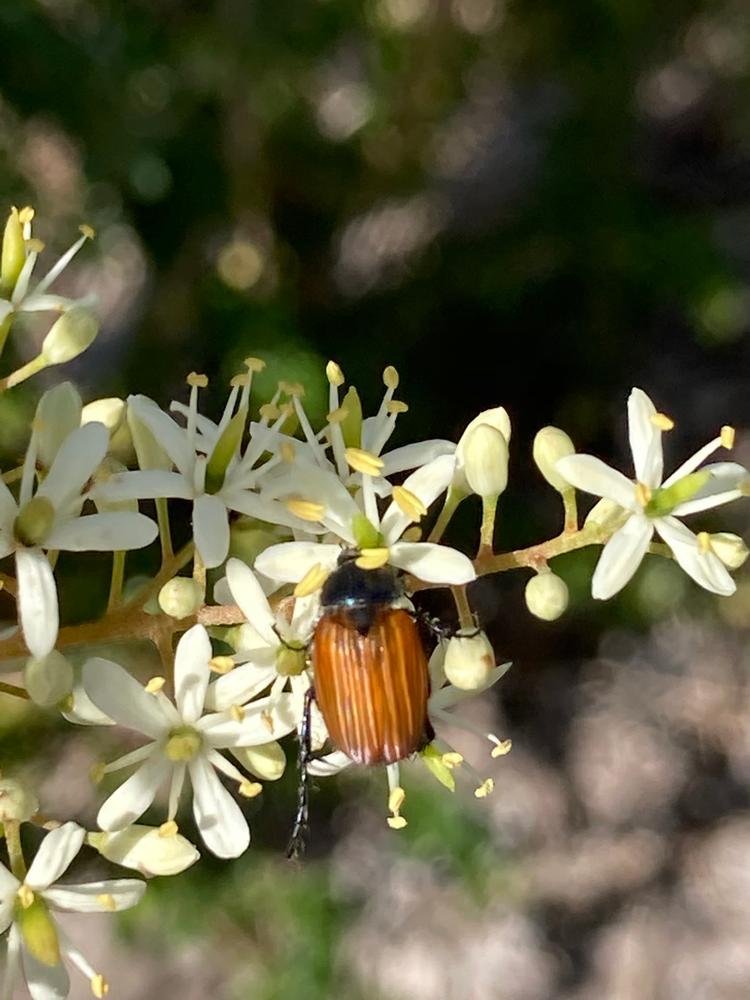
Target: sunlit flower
{"type": "Point", "coordinates": [35, 944]}
{"type": "Point", "coordinates": [185, 741]}
{"type": "Point", "coordinates": [50, 519]}
{"type": "Point", "coordinates": [653, 504]}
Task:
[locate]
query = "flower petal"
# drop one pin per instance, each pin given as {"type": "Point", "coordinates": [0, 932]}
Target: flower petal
{"type": "Point", "coordinates": [12, 963]}
{"type": "Point", "coordinates": [211, 529]}
{"type": "Point", "coordinates": [427, 484]}
{"type": "Point", "coordinates": [37, 601]}
{"type": "Point", "coordinates": [592, 476]}
{"type": "Point", "coordinates": [135, 795]}
{"type": "Point", "coordinates": [320, 486]}
{"type": "Point", "coordinates": [122, 698]}
{"type": "Point", "coordinates": [432, 563]}
{"type": "Point", "coordinates": [239, 686]}
{"type": "Point", "coordinates": [267, 719]}
{"type": "Point", "coordinates": [170, 436]}
{"type": "Point", "coordinates": [621, 557]}
{"type": "Point", "coordinates": [77, 459]}
{"type": "Point", "coordinates": [112, 532]}
{"type": "Point", "coordinates": [44, 982]}
{"type": "Point", "coordinates": [149, 484]}
{"type": "Point", "coordinates": [412, 456]}
{"type": "Point", "coordinates": [191, 672]}
{"type": "Point", "coordinates": [645, 440]}
{"type": "Point", "coordinates": [289, 562]}
{"type": "Point", "coordinates": [728, 481]}
{"type": "Point", "coordinates": [332, 763]}
{"type": "Point", "coordinates": [222, 826]}
{"type": "Point", "coordinates": [55, 854]}
{"type": "Point", "coordinates": [8, 506]}
{"type": "Point", "coordinates": [248, 594]}
{"type": "Point", "coordinates": [271, 511]}
{"type": "Point", "coordinates": [8, 888]}
{"type": "Point", "coordinates": [705, 568]}
{"type": "Point", "coordinates": [118, 894]}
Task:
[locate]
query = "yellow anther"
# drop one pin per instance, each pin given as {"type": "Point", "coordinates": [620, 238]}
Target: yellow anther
{"type": "Point", "coordinates": [269, 411]}
{"type": "Point", "coordinates": [26, 214]}
{"type": "Point", "coordinates": [409, 503]}
{"type": "Point", "coordinates": [334, 374]}
{"type": "Point", "coordinates": [34, 245]}
{"type": "Point", "coordinates": [288, 452]}
{"type": "Point", "coordinates": [484, 789]}
{"type": "Point", "coordinates": [397, 406]}
{"type": "Point", "coordinates": [501, 748]}
{"type": "Point", "coordinates": [221, 664]}
{"type": "Point", "coordinates": [390, 377]}
{"type": "Point", "coordinates": [155, 684]}
{"type": "Point", "coordinates": [237, 712]}
{"type": "Point", "coordinates": [312, 581]}
{"type": "Point", "coordinates": [372, 558]}
{"type": "Point", "coordinates": [451, 759]}
{"type": "Point", "coordinates": [25, 896]}
{"type": "Point", "coordinates": [292, 388]}
{"type": "Point", "coordinates": [642, 493]}
{"type": "Point", "coordinates": [99, 986]}
{"type": "Point", "coordinates": [337, 416]}
{"type": "Point", "coordinates": [197, 381]}
{"type": "Point", "coordinates": [240, 381]}
{"type": "Point", "coordinates": [168, 829]}
{"type": "Point", "coordinates": [396, 799]}
{"type": "Point", "coordinates": [107, 901]}
{"type": "Point", "coordinates": [662, 421]}
{"type": "Point", "coordinates": [250, 789]}
{"type": "Point", "coordinates": [396, 822]}
{"type": "Point", "coordinates": [704, 541]}
{"type": "Point", "coordinates": [727, 436]}
{"type": "Point", "coordinates": [364, 461]}
{"type": "Point", "coordinates": [287, 409]}
{"type": "Point", "coordinates": [305, 510]}
{"type": "Point", "coordinates": [255, 364]}
{"type": "Point", "coordinates": [88, 231]}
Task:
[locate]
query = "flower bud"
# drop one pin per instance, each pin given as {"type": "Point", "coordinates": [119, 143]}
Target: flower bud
{"type": "Point", "coordinates": [48, 680]}
{"type": "Point", "coordinates": [266, 761]}
{"type": "Point", "coordinates": [146, 849]}
{"type": "Point", "coordinates": [13, 254]}
{"type": "Point", "coordinates": [546, 596]}
{"type": "Point", "coordinates": [149, 452]}
{"type": "Point", "coordinates": [180, 597]}
{"type": "Point", "coordinates": [70, 335]}
{"type": "Point", "coordinates": [17, 803]}
{"type": "Point", "coordinates": [469, 659]}
{"type": "Point", "coordinates": [607, 516]}
{"type": "Point", "coordinates": [58, 413]}
{"type": "Point", "coordinates": [110, 467]}
{"type": "Point", "coordinates": [729, 548]}
{"type": "Point", "coordinates": [486, 461]}
{"type": "Point", "coordinates": [550, 445]}
{"type": "Point", "coordinates": [497, 418]}
{"type": "Point", "coordinates": [111, 412]}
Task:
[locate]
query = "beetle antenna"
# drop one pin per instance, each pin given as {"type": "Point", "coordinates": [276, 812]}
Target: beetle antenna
{"type": "Point", "coordinates": [301, 828]}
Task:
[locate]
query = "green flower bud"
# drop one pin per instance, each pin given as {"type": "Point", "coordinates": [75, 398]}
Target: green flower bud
{"type": "Point", "coordinates": [111, 412]}
{"type": "Point", "coordinates": [266, 761]}
{"type": "Point", "coordinates": [181, 597]}
{"type": "Point", "coordinates": [34, 521]}
{"type": "Point", "coordinates": [38, 930]}
{"type": "Point", "coordinates": [497, 418]}
{"type": "Point", "coordinates": [13, 254]}
{"type": "Point", "coordinates": [469, 659]}
{"type": "Point", "coordinates": [486, 461]}
{"type": "Point", "coordinates": [58, 414]}
{"type": "Point", "coordinates": [110, 467]}
{"type": "Point", "coordinates": [607, 516]}
{"type": "Point", "coordinates": [550, 445]}
{"type": "Point", "coordinates": [147, 849]}
{"type": "Point", "coordinates": [17, 803]}
{"type": "Point", "coordinates": [546, 596]}
{"type": "Point", "coordinates": [729, 548]}
{"type": "Point", "coordinates": [48, 680]}
{"type": "Point", "coordinates": [69, 336]}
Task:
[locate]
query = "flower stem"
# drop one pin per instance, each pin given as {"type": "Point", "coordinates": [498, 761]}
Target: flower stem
{"type": "Point", "coordinates": [116, 580]}
{"type": "Point", "coordinates": [11, 689]}
{"type": "Point", "coordinates": [5, 326]}
{"type": "Point", "coordinates": [25, 371]}
{"type": "Point", "coordinates": [165, 531]}
{"type": "Point", "coordinates": [487, 531]}
{"type": "Point", "coordinates": [570, 506]}
{"type": "Point", "coordinates": [15, 852]}
{"type": "Point", "coordinates": [452, 499]}
{"type": "Point", "coordinates": [465, 614]}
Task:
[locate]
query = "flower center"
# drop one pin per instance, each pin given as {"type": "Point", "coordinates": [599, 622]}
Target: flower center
{"type": "Point", "coordinates": [662, 502]}
{"type": "Point", "coordinates": [37, 927]}
{"type": "Point", "coordinates": [34, 522]}
{"type": "Point", "coordinates": [183, 745]}
{"type": "Point", "coordinates": [290, 659]}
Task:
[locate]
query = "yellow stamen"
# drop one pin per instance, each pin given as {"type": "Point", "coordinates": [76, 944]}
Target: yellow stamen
{"type": "Point", "coordinates": [642, 493]}
{"type": "Point", "coordinates": [372, 558]}
{"type": "Point", "coordinates": [727, 436]}
{"type": "Point", "coordinates": [484, 789]}
{"type": "Point", "coordinates": [396, 799]}
{"type": "Point", "coordinates": [364, 461]}
{"type": "Point", "coordinates": [396, 406]}
{"type": "Point", "coordinates": [287, 409]}
{"type": "Point", "coordinates": [501, 748]}
{"type": "Point", "coordinates": [197, 381]}
{"type": "Point", "coordinates": [334, 374]}
{"type": "Point", "coordinates": [26, 214]}
{"type": "Point", "coordinates": [312, 581]}
{"type": "Point", "coordinates": [292, 388]}
{"type": "Point", "coordinates": [221, 664]}
{"type": "Point", "coordinates": [250, 789]}
{"type": "Point", "coordinates": [34, 245]}
{"type": "Point", "coordinates": [25, 896]}
{"type": "Point", "coordinates": [390, 377]}
{"type": "Point", "coordinates": [168, 829]}
{"type": "Point", "coordinates": [451, 759]}
{"type": "Point", "coordinates": [155, 685]}
{"type": "Point", "coordinates": [337, 416]}
{"type": "Point", "coordinates": [409, 503]}
{"type": "Point", "coordinates": [662, 421]}
{"type": "Point", "coordinates": [704, 541]}
{"type": "Point", "coordinates": [237, 712]}
{"type": "Point", "coordinates": [269, 411]}
{"type": "Point", "coordinates": [86, 230]}
{"type": "Point", "coordinates": [396, 822]}
{"type": "Point", "coordinates": [306, 510]}
{"type": "Point", "coordinates": [255, 364]}
{"type": "Point", "coordinates": [240, 380]}
{"type": "Point", "coordinates": [99, 986]}
{"type": "Point", "coordinates": [107, 901]}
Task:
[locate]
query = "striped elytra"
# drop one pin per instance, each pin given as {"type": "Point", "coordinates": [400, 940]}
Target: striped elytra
{"type": "Point", "coordinates": [372, 684]}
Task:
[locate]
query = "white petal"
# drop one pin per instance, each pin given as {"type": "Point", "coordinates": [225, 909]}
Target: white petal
{"type": "Point", "coordinates": [211, 529]}
{"type": "Point", "coordinates": [621, 557]}
{"type": "Point", "coordinates": [37, 601]}
{"type": "Point", "coordinates": [426, 483]}
{"type": "Point", "coordinates": [411, 456]}
{"type": "Point", "coordinates": [319, 486]}
{"type": "Point", "coordinates": [239, 686]}
{"type": "Point", "coordinates": [304, 617]}
{"type": "Point", "coordinates": [223, 827]}
{"type": "Point", "coordinates": [83, 711]}
{"type": "Point", "coordinates": [248, 594]}
{"type": "Point", "coordinates": [122, 698]}
{"type": "Point", "coordinates": [264, 720]}
{"type": "Point", "coordinates": [112, 532]}
{"type": "Point", "coordinates": [191, 672]}
{"type": "Point", "coordinates": [592, 476]}
{"type": "Point", "coordinates": [170, 436]}
{"type": "Point", "coordinates": [134, 796]}
{"type": "Point", "coordinates": [448, 696]}
{"type": "Point", "coordinates": [86, 898]}
{"type": "Point", "coordinates": [150, 484]}
{"type": "Point", "coordinates": [332, 763]}
{"type": "Point", "coordinates": [55, 854]}
{"type": "Point", "coordinates": [289, 562]}
{"type": "Point", "coordinates": [705, 568]}
{"type": "Point", "coordinates": [8, 506]}
{"type": "Point", "coordinates": [432, 563]}
{"type": "Point", "coordinates": [726, 483]}
{"type": "Point", "coordinates": [9, 885]}
{"type": "Point", "coordinates": [44, 982]}
{"type": "Point", "coordinates": [271, 511]}
{"type": "Point", "coordinates": [78, 458]}
{"type": "Point", "coordinates": [645, 439]}
{"type": "Point", "coordinates": [12, 963]}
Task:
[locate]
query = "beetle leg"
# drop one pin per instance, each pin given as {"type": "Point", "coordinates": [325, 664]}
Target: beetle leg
{"type": "Point", "coordinates": [298, 839]}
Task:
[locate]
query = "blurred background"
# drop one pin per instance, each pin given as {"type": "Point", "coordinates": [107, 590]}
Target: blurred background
{"type": "Point", "coordinates": [532, 204]}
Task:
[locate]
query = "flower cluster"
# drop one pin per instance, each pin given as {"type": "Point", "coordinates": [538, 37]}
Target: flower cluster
{"type": "Point", "coordinates": [237, 624]}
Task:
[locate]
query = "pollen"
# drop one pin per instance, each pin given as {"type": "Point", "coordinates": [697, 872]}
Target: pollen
{"type": "Point", "coordinates": [99, 986]}
{"type": "Point", "coordinates": [34, 245]}
{"type": "Point", "coordinates": [391, 378]}
{"type": "Point", "coordinates": [704, 541]}
{"type": "Point", "coordinates": [334, 374]}
{"type": "Point", "coordinates": [662, 421]}
{"type": "Point", "coordinates": [312, 581]}
{"type": "Point", "coordinates": [485, 789]}
{"type": "Point", "coordinates": [727, 436]}
{"type": "Point", "coordinates": [292, 389]}
{"type": "Point", "coordinates": [338, 416]}
{"type": "Point", "coordinates": [288, 452]}
{"type": "Point", "coordinates": [25, 896]}
{"type": "Point", "coordinates": [155, 685]}
{"type": "Point", "coordinates": [396, 799]}
{"type": "Point", "coordinates": [501, 747]}
{"type": "Point", "coordinates": [269, 411]}
{"type": "Point", "coordinates": [372, 558]}
{"type": "Point", "coordinates": [642, 494]}
{"type": "Point", "coordinates": [396, 822]}
{"type": "Point", "coordinates": [250, 789]}
{"type": "Point", "coordinates": [86, 230]}
{"type": "Point", "coordinates": [255, 364]}
{"type": "Point", "coordinates": [240, 381]}
{"type": "Point", "coordinates": [26, 214]}
{"type": "Point", "coordinates": [168, 829]}
{"type": "Point", "coordinates": [396, 406]}
{"type": "Point", "coordinates": [107, 901]}
{"type": "Point", "coordinates": [306, 510]}
{"type": "Point", "coordinates": [221, 664]}
{"type": "Point", "coordinates": [364, 461]}
{"type": "Point", "coordinates": [237, 712]}
{"type": "Point", "coordinates": [451, 759]}
{"type": "Point", "coordinates": [197, 381]}
{"type": "Point", "coordinates": [409, 503]}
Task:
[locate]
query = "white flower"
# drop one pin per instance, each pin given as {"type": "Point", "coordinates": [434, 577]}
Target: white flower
{"type": "Point", "coordinates": [184, 741]}
{"type": "Point", "coordinates": [34, 941]}
{"type": "Point", "coordinates": [51, 518]}
{"type": "Point", "coordinates": [652, 503]}
{"type": "Point", "coordinates": [213, 470]}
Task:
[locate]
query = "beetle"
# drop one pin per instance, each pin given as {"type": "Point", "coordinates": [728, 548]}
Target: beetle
{"type": "Point", "coordinates": [371, 677]}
